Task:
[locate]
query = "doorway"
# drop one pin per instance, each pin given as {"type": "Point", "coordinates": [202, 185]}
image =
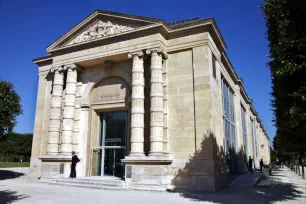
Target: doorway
{"type": "Point", "coordinates": [106, 157]}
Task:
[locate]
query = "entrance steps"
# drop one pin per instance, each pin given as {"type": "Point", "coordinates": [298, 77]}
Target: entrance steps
{"type": "Point", "coordinates": [111, 183]}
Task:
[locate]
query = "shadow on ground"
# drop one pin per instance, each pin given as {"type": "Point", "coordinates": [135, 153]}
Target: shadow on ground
{"type": "Point", "coordinates": [222, 171]}
{"type": "Point", "coordinates": [278, 192]}
{"type": "Point", "coordinates": [8, 196]}
{"type": "Point", "coordinates": [5, 174]}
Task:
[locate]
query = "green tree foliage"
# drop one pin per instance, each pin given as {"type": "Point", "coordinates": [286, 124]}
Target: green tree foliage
{"type": "Point", "coordinates": [10, 107]}
{"type": "Point", "coordinates": [14, 146]}
{"type": "Point", "coordinates": [273, 155]}
{"type": "Point", "coordinates": [286, 32]}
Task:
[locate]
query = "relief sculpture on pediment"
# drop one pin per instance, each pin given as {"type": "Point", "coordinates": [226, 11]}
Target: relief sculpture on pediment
{"type": "Point", "coordinates": [98, 30]}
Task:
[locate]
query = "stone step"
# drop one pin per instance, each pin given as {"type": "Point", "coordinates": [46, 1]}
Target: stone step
{"type": "Point", "coordinates": [92, 181]}
{"type": "Point", "coordinates": [93, 186]}
{"type": "Point", "coordinates": [88, 183]}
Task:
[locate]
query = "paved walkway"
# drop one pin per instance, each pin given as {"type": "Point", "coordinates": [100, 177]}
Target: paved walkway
{"type": "Point", "coordinates": [16, 187]}
{"type": "Point", "coordinates": [286, 184]}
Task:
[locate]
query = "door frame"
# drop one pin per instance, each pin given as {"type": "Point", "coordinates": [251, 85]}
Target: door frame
{"type": "Point", "coordinates": [102, 142]}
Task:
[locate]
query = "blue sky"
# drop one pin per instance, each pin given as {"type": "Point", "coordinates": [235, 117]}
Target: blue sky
{"type": "Point", "coordinates": [28, 27]}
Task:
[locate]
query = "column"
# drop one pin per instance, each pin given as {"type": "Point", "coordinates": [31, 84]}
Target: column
{"type": "Point", "coordinates": [165, 99]}
{"type": "Point", "coordinates": [77, 119]}
{"type": "Point", "coordinates": [55, 112]}
{"type": "Point", "coordinates": [137, 110]}
{"type": "Point", "coordinates": [69, 107]}
{"type": "Point", "coordinates": [156, 109]}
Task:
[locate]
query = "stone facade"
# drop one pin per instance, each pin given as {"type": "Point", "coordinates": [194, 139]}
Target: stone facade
{"type": "Point", "coordinates": [165, 79]}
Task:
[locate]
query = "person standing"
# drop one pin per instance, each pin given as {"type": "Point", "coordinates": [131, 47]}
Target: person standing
{"type": "Point", "coordinates": [261, 165]}
{"type": "Point", "coordinates": [74, 162]}
{"type": "Point", "coordinates": [250, 164]}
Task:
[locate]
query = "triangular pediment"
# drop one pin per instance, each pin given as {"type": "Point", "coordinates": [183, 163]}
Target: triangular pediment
{"type": "Point", "coordinates": [99, 25]}
{"type": "Point", "coordinates": [99, 29]}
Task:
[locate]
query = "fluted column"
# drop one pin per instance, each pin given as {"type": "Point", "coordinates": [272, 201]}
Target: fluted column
{"type": "Point", "coordinates": [165, 99]}
{"type": "Point", "coordinates": [69, 107]}
{"type": "Point", "coordinates": [137, 110]}
{"type": "Point", "coordinates": [55, 112]}
{"type": "Point", "coordinates": [156, 109]}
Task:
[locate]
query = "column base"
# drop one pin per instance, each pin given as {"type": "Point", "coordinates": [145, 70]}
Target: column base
{"type": "Point", "coordinates": [136, 154]}
{"type": "Point", "coordinates": [55, 166]}
{"type": "Point", "coordinates": [52, 153]}
{"type": "Point", "coordinates": [147, 172]}
{"type": "Point", "coordinates": [66, 153]}
{"type": "Point", "coordinates": [150, 160]}
{"type": "Point", "coordinates": [156, 154]}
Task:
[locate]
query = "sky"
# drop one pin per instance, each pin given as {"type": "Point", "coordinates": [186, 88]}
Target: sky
{"type": "Point", "coordinates": [27, 27]}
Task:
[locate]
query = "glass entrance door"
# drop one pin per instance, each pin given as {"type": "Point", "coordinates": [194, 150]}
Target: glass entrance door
{"type": "Point", "coordinates": [106, 158]}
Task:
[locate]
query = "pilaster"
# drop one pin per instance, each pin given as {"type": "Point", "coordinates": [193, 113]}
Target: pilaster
{"type": "Point", "coordinates": [165, 105]}
{"type": "Point", "coordinates": [238, 121]}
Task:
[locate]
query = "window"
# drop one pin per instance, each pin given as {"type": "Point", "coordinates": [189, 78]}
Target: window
{"type": "Point", "coordinates": [244, 131]}
{"type": "Point", "coordinates": [229, 116]}
{"type": "Point", "coordinates": [256, 143]}
{"type": "Point", "coordinates": [214, 66]}
{"type": "Point", "coordinates": [253, 136]}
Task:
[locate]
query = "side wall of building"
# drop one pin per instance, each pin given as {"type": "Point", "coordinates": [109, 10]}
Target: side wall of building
{"type": "Point", "coordinates": [43, 104]}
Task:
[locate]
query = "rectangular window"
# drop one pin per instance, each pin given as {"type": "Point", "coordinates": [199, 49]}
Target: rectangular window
{"type": "Point", "coordinates": [253, 136]}
{"type": "Point", "coordinates": [256, 143]}
{"type": "Point", "coordinates": [229, 116]}
{"type": "Point", "coordinates": [214, 66]}
{"type": "Point", "coordinates": [244, 130]}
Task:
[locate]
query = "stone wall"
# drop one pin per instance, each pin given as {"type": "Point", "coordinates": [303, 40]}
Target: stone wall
{"type": "Point", "coordinates": [40, 135]}
{"type": "Point", "coordinates": [194, 123]}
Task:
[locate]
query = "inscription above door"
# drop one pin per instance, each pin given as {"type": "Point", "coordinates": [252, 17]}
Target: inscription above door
{"type": "Point", "coordinates": [110, 90]}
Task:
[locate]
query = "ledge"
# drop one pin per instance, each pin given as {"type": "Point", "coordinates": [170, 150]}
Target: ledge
{"type": "Point", "coordinates": [147, 160]}
{"type": "Point", "coordinates": [56, 158]}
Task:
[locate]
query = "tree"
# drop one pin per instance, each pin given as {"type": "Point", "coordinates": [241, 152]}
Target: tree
{"type": "Point", "coordinates": [10, 107]}
{"type": "Point", "coordinates": [273, 155]}
{"type": "Point", "coordinates": [14, 146]}
{"type": "Point", "coordinates": [287, 42]}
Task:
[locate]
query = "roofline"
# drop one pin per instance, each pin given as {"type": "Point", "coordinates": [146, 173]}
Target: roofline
{"type": "Point", "coordinates": [42, 59]}
{"type": "Point", "coordinates": [106, 13]}
{"type": "Point", "coordinates": [143, 19]}
{"type": "Point", "coordinates": [205, 22]}
{"type": "Point", "coordinates": [87, 17]}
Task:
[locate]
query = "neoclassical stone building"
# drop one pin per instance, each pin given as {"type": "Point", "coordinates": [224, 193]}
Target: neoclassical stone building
{"type": "Point", "coordinates": [153, 103]}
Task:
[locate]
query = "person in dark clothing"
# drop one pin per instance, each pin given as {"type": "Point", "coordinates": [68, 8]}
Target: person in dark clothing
{"type": "Point", "coordinates": [250, 164]}
{"type": "Point", "coordinates": [261, 165]}
{"type": "Point", "coordinates": [74, 162]}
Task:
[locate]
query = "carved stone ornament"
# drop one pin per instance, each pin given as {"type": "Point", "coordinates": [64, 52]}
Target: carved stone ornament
{"type": "Point", "coordinates": [108, 66]}
{"type": "Point", "coordinates": [99, 30]}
